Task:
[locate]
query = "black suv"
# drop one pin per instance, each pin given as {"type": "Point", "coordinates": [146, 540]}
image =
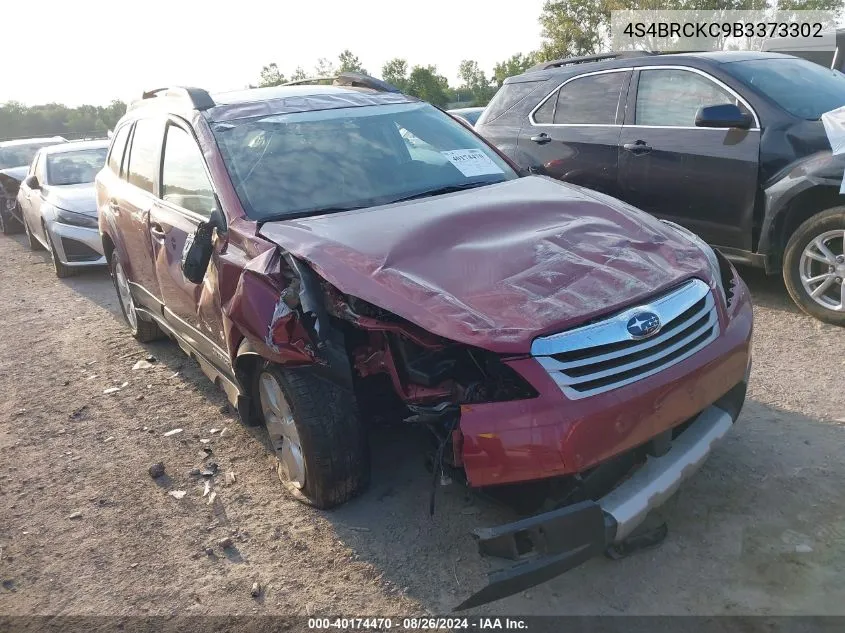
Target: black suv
{"type": "Point", "coordinates": [728, 144]}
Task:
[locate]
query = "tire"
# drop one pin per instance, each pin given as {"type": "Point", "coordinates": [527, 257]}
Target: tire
{"type": "Point", "coordinates": [810, 268]}
{"type": "Point", "coordinates": [333, 463]}
{"type": "Point", "coordinates": [62, 271]}
{"type": "Point", "coordinates": [34, 244]}
{"type": "Point", "coordinates": [142, 330]}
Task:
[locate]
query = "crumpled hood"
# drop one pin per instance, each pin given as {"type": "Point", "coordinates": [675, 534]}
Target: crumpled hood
{"type": "Point", "coordinates": [497, 266]}
{"type": "Point", "coordinates": [79, 198]}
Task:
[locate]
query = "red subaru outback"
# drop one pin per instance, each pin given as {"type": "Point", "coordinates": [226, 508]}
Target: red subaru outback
{"type": "Point", "coordinates": [336, 255]}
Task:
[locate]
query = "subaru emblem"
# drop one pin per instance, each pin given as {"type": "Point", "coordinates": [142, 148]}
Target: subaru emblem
{"type": "Point", "coordinates": [643, 324]}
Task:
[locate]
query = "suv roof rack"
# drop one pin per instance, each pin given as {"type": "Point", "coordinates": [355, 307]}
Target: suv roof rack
{"type": "Point", "coordinates": [357, 80]}
{"type": "Point", "coordinates": [197, 97]}
{"type": "Point", "coordinates": [557, 63]}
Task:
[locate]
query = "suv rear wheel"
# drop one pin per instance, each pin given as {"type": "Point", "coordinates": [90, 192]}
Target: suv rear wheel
{"type": "Point", "coordinates": [814, 266]}
{"type": "Point", "coordinates": [316, 433]}
{"type": "Point", "coordinates": [143, 331]}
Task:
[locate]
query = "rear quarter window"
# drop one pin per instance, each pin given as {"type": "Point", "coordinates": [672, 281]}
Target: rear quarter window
{"type": "Point", "coordinates": [117, 148]}
{"type": "Point", "coordinates": [506, 98]}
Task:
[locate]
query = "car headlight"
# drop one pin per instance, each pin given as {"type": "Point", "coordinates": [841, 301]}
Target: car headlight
{"type": "Point", "coordinates": [76, 219]}
{"type": "Point", "coordinates": [704, 247]}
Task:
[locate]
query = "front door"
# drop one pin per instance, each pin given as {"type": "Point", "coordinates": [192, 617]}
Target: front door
{"type": "Point", "coordinates": [702, 178]}
{"type": "Point", "coordinates": [573, 134]}
{"type": "Point", "coordinates": [30, 199]}
{"type": "Point", "coordinates": [187, 199]}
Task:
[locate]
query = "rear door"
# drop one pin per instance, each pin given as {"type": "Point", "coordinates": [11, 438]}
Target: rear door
{"type": "Point", "coordinates": [132, 209]}
{"type": "Point", "coordinates": [187, 199]}
{"type": "Point", "coordinates": [702, 178]}
{"type": "Point", "coordinates": [573, 134]}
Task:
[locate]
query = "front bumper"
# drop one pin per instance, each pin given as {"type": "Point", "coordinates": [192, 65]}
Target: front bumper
{"type": "Point", "coordinates": [549, 544]}
{"type": "Point", "coordinates": [77, 246]}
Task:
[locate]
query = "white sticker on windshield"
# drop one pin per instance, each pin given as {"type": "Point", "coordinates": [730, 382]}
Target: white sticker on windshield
{"type": "Point", "coordinates": [472, 162]}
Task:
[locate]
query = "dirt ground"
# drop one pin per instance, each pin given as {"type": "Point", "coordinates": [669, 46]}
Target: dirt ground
{"type": "Point", "coordinates": [85, 530]}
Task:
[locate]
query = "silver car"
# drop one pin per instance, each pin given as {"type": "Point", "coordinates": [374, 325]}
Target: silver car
{"type": "Point", "coordinates": [59, 207]}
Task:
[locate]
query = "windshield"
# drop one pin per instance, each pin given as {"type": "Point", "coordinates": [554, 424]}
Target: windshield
{"type": "Point", "coordinates": [75, 168]}
{"type": "Point", "coordinates": [330, 160]}
{"type": "Point", "coordinates": [20, 155]}
{"type": "Point", "coordinates": [800, 87]}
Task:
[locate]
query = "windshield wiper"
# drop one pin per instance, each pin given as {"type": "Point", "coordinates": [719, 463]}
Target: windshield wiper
{"type": "Point", "coordinates": [443, 190]}
{"type": "Point", "coordinates": [294, 215]}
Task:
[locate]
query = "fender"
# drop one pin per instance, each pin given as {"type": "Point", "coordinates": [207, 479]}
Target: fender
{"type": "Point", "coordinates": [818, 178]}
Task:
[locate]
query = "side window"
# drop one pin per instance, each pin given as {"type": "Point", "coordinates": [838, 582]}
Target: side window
{"type": "Point", "coordinates": [593, 99]}
{"type": "Point", "coordinates": [143, 155]}
{"type": "Point", "coordinates": [117, 148]}
{"type": "Point", "coordinates": [672, 97]}
{"type": "Point", "coordinates": [546, 112]}
{"type": "Point", "coordinates": [184, 181]}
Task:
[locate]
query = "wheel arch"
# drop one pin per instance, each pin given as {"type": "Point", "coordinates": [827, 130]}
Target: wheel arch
{"type": "Point", "coordinates": [801, 208]}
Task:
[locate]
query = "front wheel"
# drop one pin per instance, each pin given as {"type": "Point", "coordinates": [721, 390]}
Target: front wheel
{"type": "Point", "coordinates": [316, 433]}
{"type": "Point", "coordinates": [143, 331]}
{"type": "Point", "coordinates": [814, 266]}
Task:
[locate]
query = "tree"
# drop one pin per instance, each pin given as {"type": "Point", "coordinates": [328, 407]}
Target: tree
{"type": "Point", "coordinates": [349, 63]}
{"type": "Point", "coordinates": [514, 65]}
{"type": "Point", "coordinates": [574, 27]}
{"type": "Point", "coordinates": [396, 72]}
{"type": "Point", "coordinates": [324, 68]}
{"type": "Point", "coordinates": [18, 120]}
{"type": "Point", "coordinates": [299, 74]}
{"type": "Point", "coordinates": [425, 83]}
{"type": "Point", "coordinates": [271, 76]}
{"type": "Point", "coordinates": [474, 82]}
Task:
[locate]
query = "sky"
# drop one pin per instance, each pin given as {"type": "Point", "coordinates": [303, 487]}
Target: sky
{"type": "Point", "coordinates": [93, 51]}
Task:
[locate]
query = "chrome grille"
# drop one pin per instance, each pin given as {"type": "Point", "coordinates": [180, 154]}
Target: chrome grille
{"type": "Point", "coordinates": [603, 355]}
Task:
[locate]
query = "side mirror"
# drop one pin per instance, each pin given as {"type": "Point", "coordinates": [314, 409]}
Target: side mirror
{"type": "Point", "coordinates": [32, 182]}
{"type": "Point", "coordinates": [726, 115]}
{"type": "Point", "coordinates": [196, 253]}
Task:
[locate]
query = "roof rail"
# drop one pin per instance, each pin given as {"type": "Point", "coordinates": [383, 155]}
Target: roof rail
{"type": "Point", "coordinates": [197, 97]}
{"type": "Point", "coordinates": [557, 63]}
{"type": "Point", "coordinates": [357, 80]}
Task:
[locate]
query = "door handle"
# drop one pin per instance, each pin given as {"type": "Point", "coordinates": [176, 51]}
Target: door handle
{"type": "Point", "coordinates": [542, 138]}
{"type": "Point", "coordinates": [157, 231]}
{"type": "Point", "coordinates": [639, 147]}
{"type": "Point", "coordinates": [114, 207]}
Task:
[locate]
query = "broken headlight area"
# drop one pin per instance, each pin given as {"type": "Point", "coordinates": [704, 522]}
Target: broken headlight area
{"type": "Point", "coordinates": [423, 368]}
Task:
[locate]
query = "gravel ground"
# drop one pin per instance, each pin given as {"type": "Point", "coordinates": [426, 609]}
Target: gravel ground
{"type": "Point", "coordinates": [85, 530]}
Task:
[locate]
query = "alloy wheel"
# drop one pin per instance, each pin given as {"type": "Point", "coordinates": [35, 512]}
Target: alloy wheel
{"type": "Point", "coordinates": [281, 428]}
{"type": "Point", "coordinates": [125, 296]}
{"type": "Point", "coordinates": [822, 270]}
